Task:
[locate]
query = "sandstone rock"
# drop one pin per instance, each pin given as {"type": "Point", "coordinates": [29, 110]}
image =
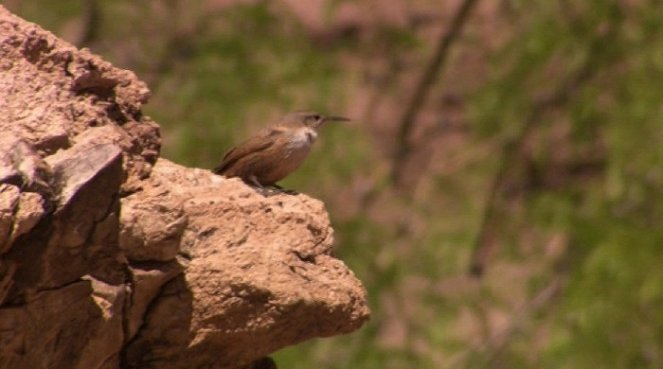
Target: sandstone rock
{"type": "Point", "coordinates": [148, 279]}
{"type": "Point", "coordinates": [27, 213]}
{"type": "Point", "coordinates": [258, 274]}
{"type": "Point", "coordinates": [21, 166]}
{"type": "Point", "coordinates": [52, 92]}
{"type": "Point", "coordinates": [152, 224]}
{"type": "Point", "coordinates": [110, 258]}
{"type": "Point", "coordinates": [9, 197]}
{"type": "Point", "coordinates": [75, 326]}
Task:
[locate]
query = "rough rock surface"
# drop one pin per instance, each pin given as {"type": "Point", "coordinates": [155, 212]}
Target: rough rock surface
{"type": "Point", "coordinates": [110, 258]}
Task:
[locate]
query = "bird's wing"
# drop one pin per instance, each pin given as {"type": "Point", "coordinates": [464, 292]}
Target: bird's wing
{"type": "Point", "coordinates": [255, 144]}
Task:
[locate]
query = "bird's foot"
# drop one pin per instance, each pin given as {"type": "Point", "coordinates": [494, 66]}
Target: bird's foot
{"type": "Point", "coordinates": [274, 190]}
{"type": "Point", "coordinates": [269, 190]}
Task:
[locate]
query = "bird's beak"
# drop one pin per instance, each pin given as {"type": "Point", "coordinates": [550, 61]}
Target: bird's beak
{"type": "Point", "coordinates": [336, 119]}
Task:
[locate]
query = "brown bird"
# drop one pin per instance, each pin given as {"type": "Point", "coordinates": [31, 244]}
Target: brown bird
{"type": "Point", "coordinates": [276, 151]}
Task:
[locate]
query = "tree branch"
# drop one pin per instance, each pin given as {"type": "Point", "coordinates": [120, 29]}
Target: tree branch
{"type": "Point", "coordinates": [513, 150]}
{"type": "Point", "coordinates": [428, 78]}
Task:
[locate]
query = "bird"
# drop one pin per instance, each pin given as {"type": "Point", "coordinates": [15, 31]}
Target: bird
{"type": "Point", "coordinates": [276, 151]}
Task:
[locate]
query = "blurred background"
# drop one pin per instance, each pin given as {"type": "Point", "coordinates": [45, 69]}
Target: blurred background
{"type": "Point", "coordinates": [500, 189]}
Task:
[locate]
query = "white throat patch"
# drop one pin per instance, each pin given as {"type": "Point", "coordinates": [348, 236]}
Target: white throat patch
{"type": "Point", "coordinates": [303, 137]}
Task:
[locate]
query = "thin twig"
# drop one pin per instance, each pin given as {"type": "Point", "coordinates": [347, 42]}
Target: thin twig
{"type": "Point", "coordinates": [91, 19]}
{"type": "Point", "coordinates": [426, 82]}
{"type": "Point", "coordinates": [496, 342]}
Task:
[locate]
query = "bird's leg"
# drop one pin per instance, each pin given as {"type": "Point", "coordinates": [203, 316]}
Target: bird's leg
{"type": "Point", "coordinates": [280, 189]}
{"type": "Point", "coordinates": [255, 181]}
{"type": "Point", "coordinates": [265, 190]}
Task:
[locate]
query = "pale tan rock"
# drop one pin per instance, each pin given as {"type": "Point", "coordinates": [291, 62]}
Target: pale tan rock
{"type": "Point", "coordinates": [29, 211]}
{"type": "Point", "coordinates": [148, 279]}
{"type": "Point", "coordinates": [152, 224]}
{"type": "Point", "coordinates": [258, 275]}
{"type": "Point", "coordinates": [101, 351]}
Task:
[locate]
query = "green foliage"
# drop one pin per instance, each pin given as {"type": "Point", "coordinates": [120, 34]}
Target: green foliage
{"type": "Point", "coordinates": [610, 316]}
{"type": "Point", "coordinates": [245, 64]}
{"type": "Point", "coordinates": [49, 17]}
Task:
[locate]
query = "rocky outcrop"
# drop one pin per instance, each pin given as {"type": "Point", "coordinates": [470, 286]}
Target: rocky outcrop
{"type": "Point", "coordinates": [113, 258]}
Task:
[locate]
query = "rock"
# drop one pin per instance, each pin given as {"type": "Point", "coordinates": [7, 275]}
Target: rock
{"type": "Point", "coordinates": [152, 224]}
{"type": "Point", "coordinates": [258, 274]}
{"type": "Point", "coordinates": [75, 326]}
{"type": "Point", "coordinates": [7, 271]}
{"type": "Point", "coordinates": [52, 92]}
{"type": "Point", "coordinates": [112, 258]}
{"type": "Point", "coordinates": [29, 211]}
{"type": "Point", "coordinates": [105, 336]}
{"type": "Point", "coordinates": [76, 168]}
{"type": "Point", "coordinates": [148, 279]}
{"type": "Point", "coordinates": [21, 166]}
{"type": "Point", "coordinates": [9, 197]}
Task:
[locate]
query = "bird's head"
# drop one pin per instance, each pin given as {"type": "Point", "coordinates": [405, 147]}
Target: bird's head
{"type": "Point", "coordinates": [310, 119]}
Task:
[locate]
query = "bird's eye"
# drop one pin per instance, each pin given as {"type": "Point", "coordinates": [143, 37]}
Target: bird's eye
{"type": "Point", "coordinates": [313, 119]}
